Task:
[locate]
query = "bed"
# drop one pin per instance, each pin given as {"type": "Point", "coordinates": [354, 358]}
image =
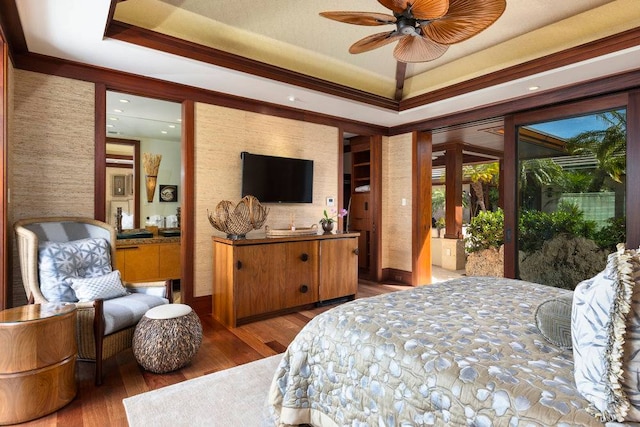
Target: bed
{"type": "Point", "coordinates": [462, 352]}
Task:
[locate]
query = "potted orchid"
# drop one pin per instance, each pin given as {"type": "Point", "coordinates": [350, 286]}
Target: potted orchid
{"type": "Point", "coordinates": [327, 221]}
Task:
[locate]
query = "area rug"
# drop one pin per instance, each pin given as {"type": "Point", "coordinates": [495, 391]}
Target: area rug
{"type": "Point", "coordinates": [233, 397]}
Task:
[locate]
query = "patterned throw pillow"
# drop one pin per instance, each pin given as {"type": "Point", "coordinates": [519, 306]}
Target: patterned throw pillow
{"type": "Point", "coordinates": [599, 326]}
{"type": "Point", "coordinates": [553, 318]}
{"type": "Point", "coordinates": [105, 287]}
{"type": "Point", "coordinates": [58, 262]}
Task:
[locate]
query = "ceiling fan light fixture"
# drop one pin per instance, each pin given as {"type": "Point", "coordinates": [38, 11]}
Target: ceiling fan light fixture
{"type": "Point", "coordinates": [406, 27]}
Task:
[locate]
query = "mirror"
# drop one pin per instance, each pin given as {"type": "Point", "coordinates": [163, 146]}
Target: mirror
{"type": "Point", "coordinates": [137, 127]}
{"type": "Point", "coordinates": [122, 179]}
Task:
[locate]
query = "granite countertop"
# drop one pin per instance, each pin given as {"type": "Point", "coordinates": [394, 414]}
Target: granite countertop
{"type": "Point", "coordinates": [156, 234]}
{"type": "Point", "coordinates": [147, 240]}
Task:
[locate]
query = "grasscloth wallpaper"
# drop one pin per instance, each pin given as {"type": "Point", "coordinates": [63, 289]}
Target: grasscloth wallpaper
{"type": "Point", "coordinates": [51, 151]}
{"type": "Point", "coordinates": [396, 186]}
{"type": "Point", "coordinates": [221, 135]}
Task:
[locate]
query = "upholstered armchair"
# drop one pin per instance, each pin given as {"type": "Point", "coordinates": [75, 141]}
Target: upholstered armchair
{"type": "Point", "coordinates": [72, 260]}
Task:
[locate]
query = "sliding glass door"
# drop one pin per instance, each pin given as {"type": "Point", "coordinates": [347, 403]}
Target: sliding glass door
{"type": "Point", "coordinates": [571, 176]}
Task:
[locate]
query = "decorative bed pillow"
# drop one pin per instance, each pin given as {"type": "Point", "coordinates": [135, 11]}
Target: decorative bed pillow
{"type": "Point", "coordinates": [58, 262]}
{"type": "Point", "coordinates": [553, 318]}
{"type": "Point", "coordinates": [599, 325]}
{"type": "Point", "coordinates": [105, 287]}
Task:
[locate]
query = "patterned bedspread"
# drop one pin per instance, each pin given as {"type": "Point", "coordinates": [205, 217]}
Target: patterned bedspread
{"type": "Point", "coordinates": [462, 352]}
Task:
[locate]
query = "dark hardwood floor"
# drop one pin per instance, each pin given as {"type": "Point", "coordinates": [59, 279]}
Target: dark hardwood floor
{"type": "Point", "coordinates": [221, 348]}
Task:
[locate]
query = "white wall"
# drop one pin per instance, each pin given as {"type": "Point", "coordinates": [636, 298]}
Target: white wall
{"type": "Point", "coordinates": [168, 173]}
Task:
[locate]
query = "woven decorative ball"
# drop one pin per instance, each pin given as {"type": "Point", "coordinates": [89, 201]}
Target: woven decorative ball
{"type": "Point", "coordinates": [240, 219]}
{"type": "Point", "coordinates": [167, 337]}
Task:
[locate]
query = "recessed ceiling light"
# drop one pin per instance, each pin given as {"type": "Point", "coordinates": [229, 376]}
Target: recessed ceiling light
{"type": "Point", "coordinates": [113, 118]}
{"type": "Point", "coordinates": [292, 98]}
{"type": "Point", "coordinates": [172, 126]}
{"type": "Point", "coordinates": [532, 88]}
{"type": "Point", "coordinates": [109, 126]}
{"type": "Point", "coordinates": [163, 131]}
{"type": "Point", "coordinates": [124, 101]}
{"type": "Point", "coordinates": [179, 120]}
{"type": "Point", "coordinates": [117, 110]}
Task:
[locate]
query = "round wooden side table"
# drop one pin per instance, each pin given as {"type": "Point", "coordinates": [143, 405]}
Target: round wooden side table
{"type": "Point", "coordinates": [37, 361]}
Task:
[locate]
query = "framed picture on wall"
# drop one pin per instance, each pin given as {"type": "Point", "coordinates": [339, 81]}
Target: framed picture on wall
{"type": "Point", "coordinates": [118, 185]}
{"type": "Point", "coordinates": [168, 193]}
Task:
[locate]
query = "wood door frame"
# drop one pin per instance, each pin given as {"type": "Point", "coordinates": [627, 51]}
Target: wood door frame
{"type": "Point", "coordinates": [421, 208]}
{"type": "Point", "coordinates": [187, 182]}
{"type": "Point", "coordinates": [375, 268]}
{"type": "Point", "coordinates": [6, 287]}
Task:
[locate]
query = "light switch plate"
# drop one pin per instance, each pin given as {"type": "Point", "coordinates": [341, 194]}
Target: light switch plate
{"type": "Point", "coordinates": [331, 201]}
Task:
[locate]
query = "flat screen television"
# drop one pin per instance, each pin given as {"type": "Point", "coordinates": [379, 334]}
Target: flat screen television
{"type": "Point", "coordinates": [277, 179]}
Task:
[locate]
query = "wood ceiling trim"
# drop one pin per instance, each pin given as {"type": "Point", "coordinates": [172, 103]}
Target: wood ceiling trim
{"type": "Point", "coordinates": [593, 88]}
{"type": "Point", "coordinates": [614, 43]}
{"type": "Point", "coordinates": [165, 43]}
{"type": "Point", "coordinates": [467, 148]}
{"type": "Point", "coordinates": [12, 29]}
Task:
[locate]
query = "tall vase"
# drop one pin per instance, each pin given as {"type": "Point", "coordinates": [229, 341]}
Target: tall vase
{"type": "Point", "coordinates": [151, 187]}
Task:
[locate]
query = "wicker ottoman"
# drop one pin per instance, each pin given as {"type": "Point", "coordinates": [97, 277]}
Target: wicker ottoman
{"type": "Point", "coordinates": [167, 337]}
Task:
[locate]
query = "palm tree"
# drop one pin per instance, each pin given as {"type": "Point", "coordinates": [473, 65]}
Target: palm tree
{"type": "Point", "coordinates": [534, 174]}
{"type": "Point", "coordinates": [538, 172]}
{"type": "Point", "coordinates": [608, 147]}
{"type": "Point", "coordinates": [480, 176]}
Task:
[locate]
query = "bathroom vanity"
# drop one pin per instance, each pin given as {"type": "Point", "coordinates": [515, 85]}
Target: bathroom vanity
{"type": "Point", "coordinates": [148, 257]}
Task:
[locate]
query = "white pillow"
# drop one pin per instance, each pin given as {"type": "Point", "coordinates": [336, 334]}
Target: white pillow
{"type": "Point", "coordinates": [598, 328]}
{"type": "Point", "coordinates": [58, 262]}
{"type": "Point", "coordinates": [104, 287]}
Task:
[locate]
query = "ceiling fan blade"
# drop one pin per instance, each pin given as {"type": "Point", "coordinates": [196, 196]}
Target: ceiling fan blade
{"type": "Point", "coordinates": [421, 9]}
{"type": "Point", "coordinates": [465, 19]}
{"type": "Point", "coordinates": [418, 49]}
{"type": "Point", "coordinates": [360, 18]}
{"type": "Point", "coordinates": [429, 9]}
{"type": "Point", "coordinates": [397, 6]}
{"type": "Point", "coordinates": [374, 41]}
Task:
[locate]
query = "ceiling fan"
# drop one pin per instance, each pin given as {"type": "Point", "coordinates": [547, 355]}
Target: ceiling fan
{"type": "Point", "coordinates": [424, 28]}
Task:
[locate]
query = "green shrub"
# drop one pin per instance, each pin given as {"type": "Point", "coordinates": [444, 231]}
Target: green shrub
{"type": "Point", "coordinates": [536, 227]}
{"type": "Point", "coordinates": [611, 234]}
{"type": "Point", "coordinates": [485, 231]}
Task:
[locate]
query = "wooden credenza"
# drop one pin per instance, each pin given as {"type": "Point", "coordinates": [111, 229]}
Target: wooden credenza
{"type": "Point", "coordinates": [256, 277]}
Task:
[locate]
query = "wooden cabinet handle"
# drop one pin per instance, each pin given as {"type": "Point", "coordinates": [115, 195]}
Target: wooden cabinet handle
{"type": "Point", "coordinates": [239, 265]}
{"type": "Point", "coordinates": [304, 257]}
{"type": "Point", "coordinates": [304, 289]}
{"type": "Point", "coordinates": [356, 251]}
